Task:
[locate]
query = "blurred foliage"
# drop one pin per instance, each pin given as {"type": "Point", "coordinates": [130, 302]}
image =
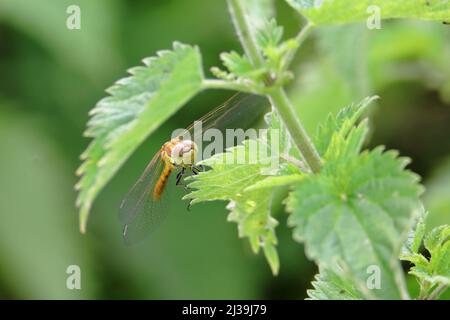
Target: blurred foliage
{"type": "Point", "coordinates": [335, 11]}
{"type": "Point", "coordinates": [51, 77]}
{"type": "Point", "coordinates": [437, 199]}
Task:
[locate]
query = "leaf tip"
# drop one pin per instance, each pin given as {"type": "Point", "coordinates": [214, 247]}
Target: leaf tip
{"type": "Point", "coordinates": [83, 216]}
{"type": "Point", "coordinates": [83, 229]}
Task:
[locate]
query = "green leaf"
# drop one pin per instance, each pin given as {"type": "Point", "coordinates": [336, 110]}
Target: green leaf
{"type": "Point", "coordinates": [240, 70]}
{"type": "Point", "coordinates": [434, 271]}
{"type": "Point", "coordinates": [269, 73]}
{"type": "Point", "coordinates": [276, 181]}
{"type": "Point", "coordinates": [137, 105]}
{"type": "Point", "coordinates": [270, 35]}
{"type": "Point", "coordinates": [271, 254]}
{"type": "Point", "coordinates": [228, 180]}
{"type": "Point", "coordinates": [232, 176]}
{"type": "Point", "coordinates": [237, 64]}
{"type": "Point", "coordinates": [434, 240]}
{"type": "Point", "coordinates": [415, 236]}
{"type": "Point", "coordinates": [328, 285]}
{"type": "Point", "coordinates": [268, 38]}
{"type": "Point", "coordinates": [338, 11]}
{"type": "Point", "coordinates": [437, 243]}
{"type": "Point", "coordinates": [241, 167]}
{"type": "Point", "coordinates": [357, 211]}
{"type": "Point", "coordinates": [340, 124]}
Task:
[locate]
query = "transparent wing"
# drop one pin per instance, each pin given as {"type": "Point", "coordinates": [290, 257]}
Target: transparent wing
{"type": "Point", "coordinates": [239, 111]}
{"type": "Point", "coordinates": [139, 212]}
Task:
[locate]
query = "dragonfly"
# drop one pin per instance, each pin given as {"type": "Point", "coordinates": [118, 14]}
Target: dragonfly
{"type": "Point", "coordinates": [143, 208]}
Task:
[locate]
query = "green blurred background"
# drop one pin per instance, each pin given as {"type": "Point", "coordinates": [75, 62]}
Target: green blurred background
{"type": "Point", "coordinates": [50, 77]}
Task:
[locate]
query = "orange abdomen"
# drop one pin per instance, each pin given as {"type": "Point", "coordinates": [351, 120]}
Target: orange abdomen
{"type": "Point", "coordinates": [162, 181]}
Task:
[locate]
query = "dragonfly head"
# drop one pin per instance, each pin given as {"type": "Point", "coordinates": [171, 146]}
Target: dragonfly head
{"type": "Point", "coordinates": [183, 153]}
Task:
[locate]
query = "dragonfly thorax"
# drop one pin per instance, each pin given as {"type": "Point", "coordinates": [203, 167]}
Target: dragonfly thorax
{"type": "Point", "coordinates": [181, 152]}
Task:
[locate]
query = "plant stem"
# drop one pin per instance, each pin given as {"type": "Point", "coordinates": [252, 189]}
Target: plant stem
{"type": "Point", "coordinates": [436, 292]}
{"type": "Point", "coordinates": [287, 113]}
{"type": "Point", "coordinates": [423, 291]}
{"type": "Point", "coordinates": [243, 30]}
{"type": "Point", "coordinates": [277, 96]}
{"type": "Point", "coordinates": [222, 84]}
{"type": "Point", "coordinates": [301, 36]}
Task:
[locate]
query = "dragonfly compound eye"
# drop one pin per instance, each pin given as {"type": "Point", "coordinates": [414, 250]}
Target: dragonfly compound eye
{"type": "Point", "coordinates": [183, 154]}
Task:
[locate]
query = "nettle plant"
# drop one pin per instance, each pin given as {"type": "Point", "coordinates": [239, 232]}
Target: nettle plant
{"type": "Point", "coordinates": [357, 212]}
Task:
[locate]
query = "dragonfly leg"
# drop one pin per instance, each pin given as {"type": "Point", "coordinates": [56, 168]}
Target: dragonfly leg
{"type": "Point", "coordinates": [197, 169]}
{"type": "Point", "coordinates": [178, 182]}
{"type": "Point", "coordinates": [179, 177]}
